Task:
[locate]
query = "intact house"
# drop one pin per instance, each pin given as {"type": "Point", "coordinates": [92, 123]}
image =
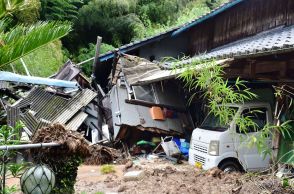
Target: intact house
{"type": "Point", "coordinates": [256, 35]}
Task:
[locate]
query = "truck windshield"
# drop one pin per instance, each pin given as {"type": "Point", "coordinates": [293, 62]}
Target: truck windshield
{"type": "Point", "coordinates": [212, 122]}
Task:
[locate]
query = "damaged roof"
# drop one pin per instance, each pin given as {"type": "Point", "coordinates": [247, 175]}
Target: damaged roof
{"type": "Point", "coordinates": [41, 108]}
{"type": "Point", "coordinates": [139, 71]}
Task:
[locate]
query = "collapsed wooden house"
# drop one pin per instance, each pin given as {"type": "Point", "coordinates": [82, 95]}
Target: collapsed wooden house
{"type": "Point", "coordinates": [257, 35]}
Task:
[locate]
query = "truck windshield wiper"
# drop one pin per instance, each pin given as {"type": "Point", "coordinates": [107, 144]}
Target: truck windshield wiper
{"type": "Point", "coordinates": [215, 128]}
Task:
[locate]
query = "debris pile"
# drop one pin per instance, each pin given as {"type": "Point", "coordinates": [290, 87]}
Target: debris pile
{"type": "Point", "coordinates": [135, 115]}
{"type": "Point", "coordinates": [66, 98]}
{"type": "Point", "coordinates": [103, 155]}
{"type": "Point", "coordinates": [71, 142]}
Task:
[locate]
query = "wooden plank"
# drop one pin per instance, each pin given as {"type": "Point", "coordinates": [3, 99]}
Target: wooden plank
{"type": "Point", "coordinates": [150, 104]}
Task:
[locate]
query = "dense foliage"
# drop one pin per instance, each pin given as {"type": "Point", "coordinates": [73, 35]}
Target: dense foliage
{"type": "Point", "coordinates": [60, 9]}
{"type": "Point", "coordinates": [118, 22]}
{"type": "Point", "coordinates": [122, 21]}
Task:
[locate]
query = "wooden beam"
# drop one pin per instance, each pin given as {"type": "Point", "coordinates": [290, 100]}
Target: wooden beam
{"type": "Point", "coordinates": [252, 69]}
{"type": "Point", "coordinates": [150, 104]}
{"type": "Point", "coordinates": [97, 52]}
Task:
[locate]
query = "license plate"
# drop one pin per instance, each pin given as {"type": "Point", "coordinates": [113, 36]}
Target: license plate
{"type": "Point", "coordinates": [198, 165]}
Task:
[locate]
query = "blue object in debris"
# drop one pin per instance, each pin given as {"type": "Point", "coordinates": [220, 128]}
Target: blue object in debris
{"type": "Point", "coordinates": [12, 77]}
{"type": "Point", "coordinates": [183, 146]}
{"type": "Point", "coordinates": [177, 141]}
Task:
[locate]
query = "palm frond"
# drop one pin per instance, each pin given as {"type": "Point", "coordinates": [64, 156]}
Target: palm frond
{"type": "Point", "coordinates": [22, 40]}
{"type": "Point", "coordinates": [9, 6]}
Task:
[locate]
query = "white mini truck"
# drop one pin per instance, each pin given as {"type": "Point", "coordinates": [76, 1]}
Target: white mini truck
{"type": "Point", "coordinates": [213, 145]}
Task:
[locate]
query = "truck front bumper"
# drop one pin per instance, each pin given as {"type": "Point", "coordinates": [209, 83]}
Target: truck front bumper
{"type": "Point", "coordinates": [205, 159]}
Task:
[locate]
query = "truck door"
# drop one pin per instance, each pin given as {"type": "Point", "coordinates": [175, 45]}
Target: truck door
{"type": "Point", "coordinates": [248, 155]}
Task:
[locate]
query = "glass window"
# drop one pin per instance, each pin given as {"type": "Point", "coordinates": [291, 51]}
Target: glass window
{"type": "Point", "coordinates": [212, 122]}
{"type": "Point", "coordinates": [258, 116]}
{"type": "Point", "coordinates": [144, 93]}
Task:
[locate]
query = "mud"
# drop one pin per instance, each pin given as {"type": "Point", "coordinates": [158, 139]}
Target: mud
{"type": "Point", "coordinates": [162, 176]}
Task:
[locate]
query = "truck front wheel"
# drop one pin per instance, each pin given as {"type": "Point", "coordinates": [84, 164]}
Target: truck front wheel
{"type": "Point", "coordinates": [229, 166]}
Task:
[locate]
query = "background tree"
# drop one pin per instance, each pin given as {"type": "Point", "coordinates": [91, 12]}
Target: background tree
{"type": "Point", "coordinates": [60, 9]}
{"type": "Point", "coordinates": [117, 21]}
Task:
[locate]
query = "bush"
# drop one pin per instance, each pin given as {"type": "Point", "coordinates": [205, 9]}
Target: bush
{"type": "Point", "coordinates": [107, 168]}
{"type": "Point", "coordinates": [212, 4]}
{"type": "Point", "coordinates": [161, 12]}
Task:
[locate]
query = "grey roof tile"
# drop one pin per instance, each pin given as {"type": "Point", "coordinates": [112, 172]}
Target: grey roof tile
{"type": "Point", "coordinates": [271, 41]}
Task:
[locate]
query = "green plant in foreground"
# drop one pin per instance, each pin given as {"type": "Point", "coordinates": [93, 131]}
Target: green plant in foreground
{"type": "Point", "coordinates": [20, 40]}
{"type": "Point", "coordinates": [9, 136]}
{"type": "Point", "coordinates": [107, 168]}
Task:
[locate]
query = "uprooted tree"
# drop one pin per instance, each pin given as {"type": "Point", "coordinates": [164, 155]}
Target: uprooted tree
{"type": "Point", "coordinates": [65, 159]}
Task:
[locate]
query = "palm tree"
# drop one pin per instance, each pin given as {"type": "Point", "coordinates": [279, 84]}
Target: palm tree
{"type": "Point", "coordinates": [21, 40]}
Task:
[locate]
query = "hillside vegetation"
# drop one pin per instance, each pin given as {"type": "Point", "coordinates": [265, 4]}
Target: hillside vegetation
{"type": "Point", "coordinates": [118, 22]}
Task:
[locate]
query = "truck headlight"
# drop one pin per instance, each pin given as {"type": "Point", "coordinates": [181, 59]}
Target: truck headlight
{"type": "Point", "coordinates": [213, 148]}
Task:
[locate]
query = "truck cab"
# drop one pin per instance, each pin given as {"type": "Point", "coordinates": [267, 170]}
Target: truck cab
{"type": "Point", "coordinates": [226, 147]}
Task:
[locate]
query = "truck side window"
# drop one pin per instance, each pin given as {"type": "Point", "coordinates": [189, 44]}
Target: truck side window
{"type": "Point", "coordinates": [258, 116]}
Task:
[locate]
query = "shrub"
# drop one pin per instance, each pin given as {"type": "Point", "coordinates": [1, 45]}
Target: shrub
{"type": "Point", "coordinates": [107, 168]}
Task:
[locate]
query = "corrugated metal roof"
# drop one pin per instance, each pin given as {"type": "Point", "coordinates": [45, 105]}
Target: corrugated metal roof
{"type": "Point", "coordinates": [269, 42]}
{"type": "Point", "coordinates": [45, 108]}
{"type": "Point", "coordinates": [74, 105]}
{"type": "Point", "coordinates": [4, 84]}
{"type": "Point", "coordinates": [172, 32]}
{"type": "Point", "coordinates": [76, 122]}
{"type": "Point", "coordinates": [30, 121]}
{"type": "Point", "coordinates": [12, 115]}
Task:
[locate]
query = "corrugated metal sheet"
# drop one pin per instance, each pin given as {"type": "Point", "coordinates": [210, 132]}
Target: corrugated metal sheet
{"type": "Point", "coordinates": [74, 105]}
{"type": "Point", "coordinates": [30, 121]}
{"type": "Point", "coordinates": [36, 95]}
{"type": "Point", "coordinates": [12, 115]}
{"type": "Point", "coordinates": [4, 84]}
{"type": "Point", "coordinates": [45, 108]}
{"type": "Point", "coordinates": [50, 108]}
{"type": "Point", "coordinates": [76, 122]}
